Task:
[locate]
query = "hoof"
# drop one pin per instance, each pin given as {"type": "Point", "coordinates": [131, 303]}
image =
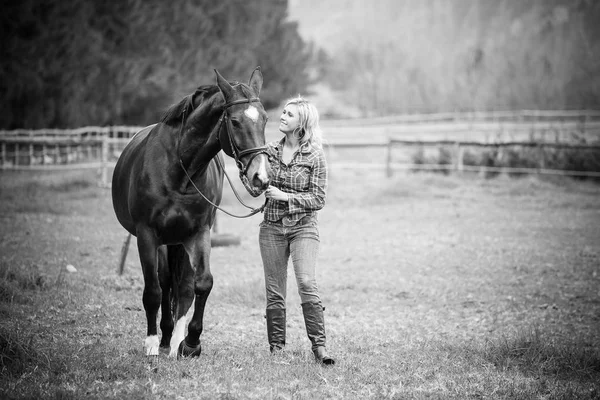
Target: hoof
{"type": "Point", "coordinates": [151, 345]}
{"type": "Point", "coordinates": [165, 342]}
{"type": "Point", "coordinates": [165, 346]}
{"type": "Point", "coordinates": [188, 351]}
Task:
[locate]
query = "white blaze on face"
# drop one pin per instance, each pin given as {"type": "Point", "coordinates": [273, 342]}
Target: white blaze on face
{"type": "Point", "coordinates": [252, 113]}
{"type": "Point", "coordinates": [261, 170]}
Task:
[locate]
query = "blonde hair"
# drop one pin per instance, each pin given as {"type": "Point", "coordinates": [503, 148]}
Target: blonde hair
{"type": "Point", "coordinates": [309, 121]}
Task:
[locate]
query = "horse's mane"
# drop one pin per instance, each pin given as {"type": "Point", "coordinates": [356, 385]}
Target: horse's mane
{"type": "Point", "coordinates": [186, 105]}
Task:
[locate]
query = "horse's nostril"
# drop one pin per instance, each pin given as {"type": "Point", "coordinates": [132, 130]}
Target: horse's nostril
{"type": "Point", "coordinates": [259, 182]}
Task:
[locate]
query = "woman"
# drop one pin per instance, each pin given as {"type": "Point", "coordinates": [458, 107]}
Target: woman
{"type": "Point", "coordinates": [289, 228]}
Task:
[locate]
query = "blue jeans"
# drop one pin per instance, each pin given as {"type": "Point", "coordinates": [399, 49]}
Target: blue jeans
{"type": "Point", "coordinates": [277, 244]}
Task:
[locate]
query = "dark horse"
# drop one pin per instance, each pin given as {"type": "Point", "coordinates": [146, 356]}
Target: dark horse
{"type": "Point", "coordinates": [163, 186]}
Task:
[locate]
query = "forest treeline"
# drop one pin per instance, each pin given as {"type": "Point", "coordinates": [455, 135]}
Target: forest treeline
{"type": "Point", "coordinates": [70, 63]}
{"type": "Point", "coordinates": [403, 56]}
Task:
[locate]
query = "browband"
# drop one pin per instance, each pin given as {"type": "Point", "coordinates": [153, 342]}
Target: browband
{"type": "Point", "coordinates": [252, 100]}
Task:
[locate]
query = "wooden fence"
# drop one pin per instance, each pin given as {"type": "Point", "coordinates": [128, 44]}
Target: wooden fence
{"type": "Point", "coordinates": [55, 149]}
{"type": "Point", "coordinates": [457, 162]}
{"type": "Point", "coordinates": [100, 147]}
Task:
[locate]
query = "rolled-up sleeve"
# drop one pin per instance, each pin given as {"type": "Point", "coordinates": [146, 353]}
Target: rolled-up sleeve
{"type": "Point", "coordinates": [314, 198]}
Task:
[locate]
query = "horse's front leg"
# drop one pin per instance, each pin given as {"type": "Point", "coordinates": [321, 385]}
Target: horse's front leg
{"type": "Point", "coordinates": [148, 249]}
{"type": "Point", "coordinates": [198, 250]}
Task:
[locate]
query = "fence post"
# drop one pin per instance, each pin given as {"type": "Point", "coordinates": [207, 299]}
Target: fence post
{"type": "Point", "coordinates": [104, 158]}
{"type": "Point", "coordinates": [388, 159]}
{"type": "Point", "coordinates": [4, 161]}
{"type": "Point", "coordinates": [31, 148]}
{"type": "Point", "coordinates": [458, 157]}
{"type": "Point", "coordinates": [542, 157]}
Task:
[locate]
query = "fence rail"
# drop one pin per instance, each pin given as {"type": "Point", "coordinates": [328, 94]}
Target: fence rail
{"type": "Point", "coordinates": [100, 147]}
{"type": "Point", "coordinates": [481, 116]}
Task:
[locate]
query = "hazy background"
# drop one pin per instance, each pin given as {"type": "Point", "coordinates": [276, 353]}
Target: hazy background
{"type": "Point", "coordinates": [73, 63]}
{"type": "Point", "coordinates": [396, 56]}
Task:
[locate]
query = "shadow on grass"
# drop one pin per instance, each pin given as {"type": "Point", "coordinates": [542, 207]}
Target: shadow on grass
{"type": "Point", "coordinates": [56, 369]}
{"type": "Point", "coordinates": [532, 354]}
{"type": "Point", "coordinates": [41, 362]}
{"type": "Point", "coordinates": [16, 354]}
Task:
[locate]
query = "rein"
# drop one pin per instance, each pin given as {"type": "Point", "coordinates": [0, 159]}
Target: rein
{"type": "Point", "coordinates": [237, 154]}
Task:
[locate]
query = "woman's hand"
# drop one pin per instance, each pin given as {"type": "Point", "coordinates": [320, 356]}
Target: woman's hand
{"type": "Point", "coordinates": [273, 193]}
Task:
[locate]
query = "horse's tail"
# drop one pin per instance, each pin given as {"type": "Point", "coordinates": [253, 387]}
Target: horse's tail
{"type": "Point", "coordinates": [177, 262]}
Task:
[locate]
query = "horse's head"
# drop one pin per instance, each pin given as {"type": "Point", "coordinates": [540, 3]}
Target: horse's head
{"type": "Point", "coordinates": [243, 136]}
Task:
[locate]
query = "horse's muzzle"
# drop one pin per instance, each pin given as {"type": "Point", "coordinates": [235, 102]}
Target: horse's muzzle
{"type": "Point", "coordinates": [256, 177]}
{"type": "Point", "coordinates": [260, 182]}
{"type": "Point", "coordinates": [254, 189]}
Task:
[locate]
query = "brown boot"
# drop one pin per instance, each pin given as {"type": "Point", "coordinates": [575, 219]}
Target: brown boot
{"type": "Point", "coordinates": [315, 328]}
{"type": "Point", "coordinates": [276, 328]}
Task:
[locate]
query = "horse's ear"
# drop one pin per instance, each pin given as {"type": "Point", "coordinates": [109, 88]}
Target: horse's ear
{"type": "Point", "coordinates": [225, 87]}
{"type": "Point", "coordinates": [256, 80]}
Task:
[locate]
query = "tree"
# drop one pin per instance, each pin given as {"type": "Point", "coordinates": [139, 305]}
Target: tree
{"type": "Point", "coordinates": [68, 63]}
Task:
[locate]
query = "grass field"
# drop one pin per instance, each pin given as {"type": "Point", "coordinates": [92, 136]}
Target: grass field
{"type": "Point", "coordinates": [434, 286]}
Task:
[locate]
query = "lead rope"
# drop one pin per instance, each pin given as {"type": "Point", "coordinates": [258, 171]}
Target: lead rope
{"type": "Point", "coordinates": [254, 210]}
{"type": "Point", "coordinates": [231, 184]}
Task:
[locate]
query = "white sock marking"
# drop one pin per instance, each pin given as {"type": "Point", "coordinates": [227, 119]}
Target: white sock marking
{"type": "Point", "coordinates": [178, 336]}
{"type": "Point", "coordinates": [151, 345]}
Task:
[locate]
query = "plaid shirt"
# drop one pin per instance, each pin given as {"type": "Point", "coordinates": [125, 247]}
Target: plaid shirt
{"type": "Point", "coordinates": [304, 179]}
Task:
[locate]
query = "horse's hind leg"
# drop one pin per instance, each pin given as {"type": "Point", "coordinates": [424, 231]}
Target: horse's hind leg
{"type": "Point", "coordinates": [198, 250]}
{"type": "Point", "coordinates": [164, 276]}
{"type": "Point", "coordinates": [147, 247]}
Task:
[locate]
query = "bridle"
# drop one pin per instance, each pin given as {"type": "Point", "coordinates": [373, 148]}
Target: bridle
{"type": "Point", "coordinates": [236, 153]}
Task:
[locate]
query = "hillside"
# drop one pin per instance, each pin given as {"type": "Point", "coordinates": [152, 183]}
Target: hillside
{"type": "Point", "coordinates": [395, 56]}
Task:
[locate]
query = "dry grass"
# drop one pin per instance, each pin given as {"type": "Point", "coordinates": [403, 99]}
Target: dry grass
{"type": "Point", "coordinates": [434, 286]}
